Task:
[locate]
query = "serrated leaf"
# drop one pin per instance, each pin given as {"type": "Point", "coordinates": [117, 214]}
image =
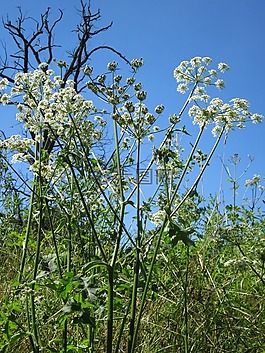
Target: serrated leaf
{"type": "Point", "coordinates": [71, 306]}
{"type": "Point", "coordinates": [176, 234]}
{"type": "Point", "coordinates": [84, 318]}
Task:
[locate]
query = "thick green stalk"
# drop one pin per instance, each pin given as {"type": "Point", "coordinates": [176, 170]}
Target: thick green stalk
{"type": "Point", "coordinates": [122, 209]}
{"type": "Point", "coordinates": [148, 280]}
{"type": "Point", "coordinates": [34, 321]}
{"type": "Point", "coordinates": [25, 245]}
{"type": "Point", "coordinates": [110, 310]}
{"type": "Point", "coordinates": [31, 338]}
{"type": "Point", "coordinates": [39, 232]}
{"type": "Point", "coordinates": [54, 238]}
{"type": "Point", "coordinates": [134, 301]}
{"type": "Point", "coordinates": [186, 336]}
{"type": "Point", "coordinates": [64, 338]}
{"type": "Point", "coordinates": [117, 244]}
{"type": "Point", "coordinates": [137, 251]}
{"type": "Point", "coordinates": [37, 254]}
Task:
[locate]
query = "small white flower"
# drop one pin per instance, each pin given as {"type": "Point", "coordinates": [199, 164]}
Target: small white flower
{"type": "Point", "coordinates": [196, 61]}
{"type": "Point", "coordinates": [223, 67]}
{"type": "Point", "coordinates": [206, 60]}
{"type": "Point", "coordinates": [207, 81]}
{"type": "Point", "coordinates": [3, 83]}
{"type": "Point", "coordinates": [141, 95]}
{"type": "Point", "coordinates": [137, 63]}
{"type": "Point", "coordinates": [254, 181]}
{"type": "Point", "coordinates": [220, 84]}
{"type": "Point", "coordinates": [130, 81]}
{"type": "Point", "coordinates": [43, 65]}
{"type": "Point", "coordinates": [127, 140]}
{"type": "Point", "coordinates": [213, 73]}
{"type": "Point", "coordinates": [182, 88]}
{"type": "Point", "coordinates": [158, 217]}
{"type": "Point", "coordinates": [5, 98]}
{"type": "Point", "coordinates": [18, 158]}
{"type": "Point", "coordinates": [256, 118]}
{"type": "Point", "coordinates": [217, 130]}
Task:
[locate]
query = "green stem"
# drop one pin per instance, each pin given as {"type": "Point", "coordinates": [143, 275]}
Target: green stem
{"type": "Point", "coordinates": [187, 163]}
{"type": "Point", "coordinates": [137, 252]}
{"type": "Point", "coordinates": [54, 238]}
{"type": "Point", "coordinates": [194, 185]}
{"type": "Point", "coordinates": [31, 338]}
{"type": "Point", "coordinates": [122, 210]}
{"type": "Point", "coordinates": [110, 310]}
{"type": "Point", "coordinates": [186, 336]}
{"type": "Point", "coordinates": [169, 132]}
{"type": "Point", "coordinates": [34, 321]}
{"type": "Point", "coordinates": [117, 349]}
{"type": "Point", "coordinates": [94, 232]}
{"type": "Point", "coordinates": [64, 338]}
{"type": "Point", "coordinates": [40, 223]}
{"type": "Point", "coordinates": [117, 244]}
{"type": "Point", "coordinates": [25, 245]}
{"type": "Point", "coordinates": [148, 280]}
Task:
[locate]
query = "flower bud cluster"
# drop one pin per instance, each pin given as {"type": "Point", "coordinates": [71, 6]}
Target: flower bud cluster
{"type": "Point", "coordinates": [136, 120]}
{"type": "Point", "coordinates": [137, 63]}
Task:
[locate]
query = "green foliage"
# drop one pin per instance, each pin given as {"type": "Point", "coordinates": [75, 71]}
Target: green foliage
{"type": "Point", "coordinates": [92, 261]}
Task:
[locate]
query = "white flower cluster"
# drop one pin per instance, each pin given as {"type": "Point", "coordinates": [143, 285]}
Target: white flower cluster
{"type": "Point", "coordinates": [223, 115]}
{"type": "Point", "coordinates": [17, 143]}
{"type": "Point", "coordinates": [49, 109]}
{"type": "Point", "coordinates": [45, 103]}
{"type": "Point", "coordinates": [197, 71]}
{"type": "Point", "coordinates": [137, 63]}
{"type": "Point", "coordinates": [254, 182]}
{"type": "Point", "coordinates": [158, 217]}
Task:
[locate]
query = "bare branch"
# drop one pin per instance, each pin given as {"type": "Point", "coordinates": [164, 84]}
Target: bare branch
{"type": "Point", "coordinates": [31, 52]}
{"type": "Point", "coordinates": [38, 46]}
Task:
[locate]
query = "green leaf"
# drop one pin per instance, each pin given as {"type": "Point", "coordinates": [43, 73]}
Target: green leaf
{"type": "Point", "coordinates": [85, 318]}
{"type": "Point", "coordinates": [71, 306]}
{"type": "Point", "coordinates": [94, 264]}
{"type": "Point", "coordinates": [176, 234]}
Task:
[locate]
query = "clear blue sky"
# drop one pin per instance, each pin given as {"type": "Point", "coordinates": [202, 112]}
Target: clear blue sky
{"type": "Point", "coordinates": [167, 32]}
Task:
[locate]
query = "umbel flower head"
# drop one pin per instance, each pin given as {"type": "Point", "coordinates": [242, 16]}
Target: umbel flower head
{"type": "Point", "coordinates": [198, 74]}
{"type": "Point", "coordinates": [197, 71]}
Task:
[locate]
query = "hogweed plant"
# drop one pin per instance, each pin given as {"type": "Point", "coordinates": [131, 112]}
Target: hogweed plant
{"type": "Point", "coordinates": [93, 234]}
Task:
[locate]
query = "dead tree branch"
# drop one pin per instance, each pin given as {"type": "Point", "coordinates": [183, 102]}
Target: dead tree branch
{"type": "Point", "coordinates": [38, 46]}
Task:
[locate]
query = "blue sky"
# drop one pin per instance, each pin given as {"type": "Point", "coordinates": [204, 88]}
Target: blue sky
{"type": "Point", "coordinates": [167, 32]}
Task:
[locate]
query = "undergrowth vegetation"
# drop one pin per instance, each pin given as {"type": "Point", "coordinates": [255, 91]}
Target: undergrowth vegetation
{"type": "Point", "coordinates": [94, 260]}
